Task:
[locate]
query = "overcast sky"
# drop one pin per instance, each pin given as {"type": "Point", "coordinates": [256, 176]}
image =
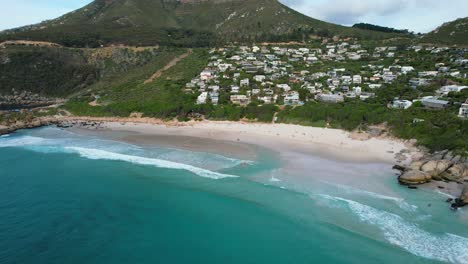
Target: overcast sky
{"type": "Point", "coordinates": [415, 15]}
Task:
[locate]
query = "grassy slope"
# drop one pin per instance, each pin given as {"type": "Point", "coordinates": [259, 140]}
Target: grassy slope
{"type": "Point", "coordinates": [64, 71]}
{"type": "Point", "coordinates": [452, 33]}
{"type": "Point", "coordinates": [161, 98]}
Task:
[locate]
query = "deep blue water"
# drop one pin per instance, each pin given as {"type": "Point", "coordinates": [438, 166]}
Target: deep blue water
{"type": "Point", "coordinates": [66, 198]}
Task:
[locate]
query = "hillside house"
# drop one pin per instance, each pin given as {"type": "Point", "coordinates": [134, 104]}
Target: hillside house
{"type": "Point", "coordinates": [330, 98]}
{"type": "Point", "coordinates": [240, 99]}
{"type": "Point", "coordinates": [463, 112]}
{"type": "Point", "coordinates": [435, 103]}
{"type": "Point", "coordinates": [201, 99]}
{"type": "Point", "coordinates": [401, 104]}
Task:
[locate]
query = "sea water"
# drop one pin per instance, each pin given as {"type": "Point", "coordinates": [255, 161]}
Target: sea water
{"type": "Point", "coordinates": [68, 198]}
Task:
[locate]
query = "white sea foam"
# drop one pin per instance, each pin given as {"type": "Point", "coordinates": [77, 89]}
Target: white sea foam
{"type": "Point", "coordinates": [4, 136]}
{"type": "Point", "coordinates": [273, 179]}
{"type": "Point", "coordinates": [20, 141]}
{"type": "Point", "coordinates": [399, 201]}
{"type": "Point", "coordinates": [106, 155]}
{"type": "Point", "coordinates": [445, 194]}
{"type": "Point", "coordinates": [398, 231]}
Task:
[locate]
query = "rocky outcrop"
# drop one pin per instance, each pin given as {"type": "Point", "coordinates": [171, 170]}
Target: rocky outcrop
{"type": "Point", "coordinates": [463, 199]}
{"type": "Point", "coordinates": [439, 166]}
{"type": "Point", "coordinates": [26, 125]}
{"type": "Point", "coordinates": [413, 177]}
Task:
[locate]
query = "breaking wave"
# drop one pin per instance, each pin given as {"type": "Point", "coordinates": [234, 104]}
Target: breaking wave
{"type": "Point", "coordinates": [69, 145]}
{"type": "Point", "coordinates": [96, 154]}
{"type": "Point", "coordinates": [20, 141]}
{"type": "Point", "coordinates": [398, 201]}
{"type": "Point", "coordinates": [396, 230]}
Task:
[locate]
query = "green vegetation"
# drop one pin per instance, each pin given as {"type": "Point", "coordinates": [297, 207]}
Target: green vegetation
{"type": "Point", "coordinates": [64, 71]}
{"type": "Point", "coordinates": [52, 71]}
{"type": "Point", "coordinates": [182, 23]}
{"type": "Point", "coordinates": [451, 33]}
{"type": "Point", "coordinates": [380, 28]}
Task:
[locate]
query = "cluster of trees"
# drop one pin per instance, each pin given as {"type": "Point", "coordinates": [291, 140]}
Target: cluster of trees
{"type": "Point", "coordinates": [380, 28]}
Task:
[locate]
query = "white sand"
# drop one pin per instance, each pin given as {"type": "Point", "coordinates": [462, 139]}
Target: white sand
{"type": "Point", "coordinates": [330, 143]}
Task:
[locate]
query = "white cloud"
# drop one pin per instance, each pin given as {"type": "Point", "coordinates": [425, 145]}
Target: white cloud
{"type": "Point", "coordinates": [416, 15]}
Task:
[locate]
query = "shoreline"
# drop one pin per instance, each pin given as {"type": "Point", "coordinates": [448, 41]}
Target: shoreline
{"type": "Point", "coordinates": [329, 142]}
{"type": "Point", "coordinates": [285, 139]}
{"type": "Point", "coordinates": [325, 142]}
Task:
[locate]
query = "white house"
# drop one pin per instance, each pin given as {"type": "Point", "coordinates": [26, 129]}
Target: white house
{"type": "Point", "coordinates": [214, 96]}
{"type": "Point", "coordinates": [202, 98]}
{"type": "Point", "coordinates": [292, 98]}
{"type": "Point", "coordinates": [463, 112]}
{"type": "Point", "coordinates": [206, 75]}
{"type": "Point", "coordinates": [401, 104]}
{"type": "Point", "coordinates": [240, 99]}
{"type": "Point", "coordinates": [357, 90]}
{"type": "Point", "coordinates": [259, 78]}
{"type": "Point", "coordinates": [357, 79]}
{"type": "Point", "coordinates": [406, 69]}
{"type": "Point", "coordinates": [244, 82]}
{"type": "Point", "coordinates": [285, 87]}
{"type": "Point", "coordinates": [330, 98]}
{"type": "Point", "coordinates": [235, 89]}
{"type": "Point", "coordinates": [451, 88]}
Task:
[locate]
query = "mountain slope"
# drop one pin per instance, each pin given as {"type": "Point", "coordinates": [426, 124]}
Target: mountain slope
{"type": "Point", "coordinates": [181, 22]}
{"type": "Point", "coordinates": [451, 33]}
{"type": "Point", "coordinates": [60, 71]}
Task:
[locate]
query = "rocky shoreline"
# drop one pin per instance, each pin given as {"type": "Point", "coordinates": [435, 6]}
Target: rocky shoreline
{"type": "Point", "coordinates": [438, 167]}
{"type": "Point", "coordinates": [42, 122]}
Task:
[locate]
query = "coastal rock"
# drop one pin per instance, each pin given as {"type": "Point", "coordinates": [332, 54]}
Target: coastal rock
{"type": "Point", "coordinates": [463, 199]}
{"type": "Point", "coordinates": [416, 165]}
{"type": "Point", "coordinates": [436, 167]}
{"type": "Point", "coordinates": [414, 177]}
{"type": "Point", "coordinates": [464, 194]}
{"type": "Point", "coordinates": [459, 170]}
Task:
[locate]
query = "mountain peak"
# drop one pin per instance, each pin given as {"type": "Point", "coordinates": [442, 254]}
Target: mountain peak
{"type": "Point", "coordinates": [180, 22]}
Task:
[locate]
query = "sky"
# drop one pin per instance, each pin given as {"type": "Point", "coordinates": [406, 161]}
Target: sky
{"type": "Point", "coordinates": [415, 15]}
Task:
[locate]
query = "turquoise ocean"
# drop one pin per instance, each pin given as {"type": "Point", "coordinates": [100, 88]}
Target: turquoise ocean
{"type": "Point", "coordinates": [70, 198]}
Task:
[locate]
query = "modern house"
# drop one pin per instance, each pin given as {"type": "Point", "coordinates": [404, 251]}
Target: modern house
{"type": "Point", "coordinates": [202, 98]}
{"type": "Point", "coordinates": [435, 103]}
{"type": "Point", "coordinates": [463, 112]}
{"type": "Point", "coordinates": [240, 99]}
{"type": "Point", "coordinates": [401, 104]}
{"type": "Point", "coordinates": [330, 98]}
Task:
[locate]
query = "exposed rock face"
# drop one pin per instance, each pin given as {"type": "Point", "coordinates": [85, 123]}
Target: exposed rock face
{"type": "Point", "coordinates": [412, 177]}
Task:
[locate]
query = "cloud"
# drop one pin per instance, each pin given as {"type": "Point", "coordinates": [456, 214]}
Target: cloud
{"type": "Point", "coordinates": [416, 15]}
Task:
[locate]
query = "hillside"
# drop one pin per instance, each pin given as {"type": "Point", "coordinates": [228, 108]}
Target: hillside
{"type": "Point", "coordinates": [451, 33]}
{"type": "Point", "coordinates": [181, 23]}
{"type": "Point", "coordinates": [60, 71]}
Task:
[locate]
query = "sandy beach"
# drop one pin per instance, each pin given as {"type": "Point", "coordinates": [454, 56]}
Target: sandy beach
{"type": "Point", "coordinates": [323, 142]}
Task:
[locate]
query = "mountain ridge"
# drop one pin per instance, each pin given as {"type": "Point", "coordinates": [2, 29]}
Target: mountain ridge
{"type": "Point", "coordinates": [181, 23]}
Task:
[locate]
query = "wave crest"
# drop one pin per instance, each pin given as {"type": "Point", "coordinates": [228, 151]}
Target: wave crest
{"type": "Point", "coordinates": [398, 231]}
{"type": "Point", "coordinates": [97, 154]}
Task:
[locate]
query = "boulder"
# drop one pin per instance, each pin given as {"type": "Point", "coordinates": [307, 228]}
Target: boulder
{"type": "Point", "coordinates": [414, 177]}
{"type": "Point", "coordinates": [416, 165]}
{"type": "Point", "coordinates": [463, 199]}
{"type": "Point", "coordinates": [464, 194]}
{"type": "Point", "coordinates": [436, 167]}
{"type": "Point", "coordinates": [459, 170]}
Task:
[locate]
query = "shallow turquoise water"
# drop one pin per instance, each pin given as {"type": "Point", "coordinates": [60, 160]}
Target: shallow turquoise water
{"type": "Point", "coordinates": [65, 198]}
